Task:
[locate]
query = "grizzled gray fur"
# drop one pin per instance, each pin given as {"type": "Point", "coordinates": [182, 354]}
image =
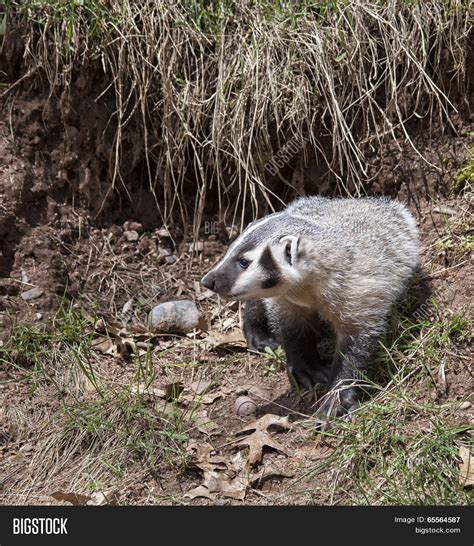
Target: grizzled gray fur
{"type": "Point", "coordinates": [339, 261]}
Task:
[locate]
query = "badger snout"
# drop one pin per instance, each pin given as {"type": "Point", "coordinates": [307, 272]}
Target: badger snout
{"type": "Point", "coordinates": [219, 282]}
{"type": "Point", "coordinates": [209, 281]}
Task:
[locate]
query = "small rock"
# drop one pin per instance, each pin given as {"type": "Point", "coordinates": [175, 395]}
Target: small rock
{"type": "Point", "coordinates": [133, 226]}
{"type": "Point", "coordinates": [163, 233]}
{"type": "Point", "coordinates": [163, 252]}
{"type": "Point", "coordinates": [32, 294]}
{"type": "Point", "coordinates": [39, 316]}
{"type": "Point", "coordinates": [171, 259]}
{"type": "Point", "coordinates": [174, 317]}
{"type": "Point", "coordinates": [245, 406]}
{"type": "Point", "coordinates": [465, 405]}
{"type": "Point", "coordinates": [131, 235]}
{"type": "Point", "coordinates": [127, 307]}
{"type": "Point", "coordinates": [198, 246]}
{"type": "Point", "coordinates": [24, 277]}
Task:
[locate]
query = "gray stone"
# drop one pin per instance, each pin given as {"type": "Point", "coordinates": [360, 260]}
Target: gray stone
{"type": "Point", "coordinates": [163, 252]}
{"type": "Point", "coordinates": [163, 233]}
{"type": "Point", "coordinates": [170, 259]}
{"type": "Point", "coordinates": [32, 294]}
{"type": "Point", "coordinates": [174, 317]}
{"type": "Point", "coordinates": [133, 226]}
{"type": "Point", "coordinates": [131, 235]}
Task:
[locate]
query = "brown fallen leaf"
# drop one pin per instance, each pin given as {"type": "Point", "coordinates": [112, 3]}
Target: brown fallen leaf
{"type": "Point", "coordinates": [206, 425]}
{"type": "Point", "coordinates": [231, 339]}
{"type": "Point", "coordinates": [221, 477]}
{"type": "Point", "coordinates": [169, 392]}
{"type": "Point", "coordinates": [269, 472]}
{"type": "Point", "coordinates": [74, 498]}
{"type": "Point", "coordinates": [99, 498]}
{"type": "Point", "coordinates": [466, 467]}
{"type": "Point", "coordinates": [148, 390]}
{"type": "Point", "coordinates": [200, 491]}
{"type": "Point", "coordinates": [203, 456]}
{"type": "Point", "coordinates": [208, 398]}
{"type": "Point", "coordinates": [173, 391]}
{"type": "Point", "coordinates": [117, 340]}
{"type": "Point", "coordinates": [201, 386]}
{"type": "Point", "coordinates": [106, 346]}
{"type": "Point", "coordinates": [261, 438]}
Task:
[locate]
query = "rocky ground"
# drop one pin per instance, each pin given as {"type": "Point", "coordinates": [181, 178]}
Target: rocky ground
{"type": "Point", "coordinates": [96, 409]}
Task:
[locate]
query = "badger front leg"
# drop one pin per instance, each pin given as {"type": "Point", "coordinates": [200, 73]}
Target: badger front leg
{"type": "Point", "coordinates": [348, 373]}
{"type": "Point", "coordinates": [304, 364]}
{"type": "Point", "coordinates": [257, 331]}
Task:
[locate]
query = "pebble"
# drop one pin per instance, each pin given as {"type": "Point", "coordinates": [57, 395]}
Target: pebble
{"type": "Point", "coordinates": [32, 294]}
{"type": "Point", "coordinates": [131, 235]}
{"type": "Point", "coordinates": [163, 233]}
{"type": "Point", "coordinates": [163, 252]}
{"type": "Point", "coordinates": [245, 406]}
{"type": "Point", "coordinates": [171, 259]}
{"type": "Point", "coordinates": [198, 246]}
{"type": "Point", "coordinates": [174, 317]}
{"type": "Point", "coordinates": [133, 226]}
{"type": "Point", "coordinates": [465, 405]}
{"type": "Point", "coordinates": [127, 307]}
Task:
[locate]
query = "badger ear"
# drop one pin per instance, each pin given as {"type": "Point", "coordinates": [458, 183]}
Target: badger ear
{"type": "Point", "coordinates": [290, 252]}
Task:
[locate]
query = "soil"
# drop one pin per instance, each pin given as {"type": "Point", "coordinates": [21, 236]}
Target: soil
{"type": "Point", "coordinates": [57, 236]}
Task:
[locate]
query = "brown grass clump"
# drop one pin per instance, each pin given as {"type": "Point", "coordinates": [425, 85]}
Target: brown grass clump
{"type": "Point", "coordinates": [207, 93]}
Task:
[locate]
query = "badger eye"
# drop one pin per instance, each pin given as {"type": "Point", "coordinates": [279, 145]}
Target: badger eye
{"type": "Point", "coordinates": [244, 263]}
{"type": "Point", "coordinates": [288, 253]}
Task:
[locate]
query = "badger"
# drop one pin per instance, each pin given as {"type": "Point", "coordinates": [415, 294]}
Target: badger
{"type": "Point", "coordinates": [342, 262]}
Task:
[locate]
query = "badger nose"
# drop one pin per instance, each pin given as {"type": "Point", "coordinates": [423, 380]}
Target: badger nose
{"type": "Point", "coordinates": [209, 281]}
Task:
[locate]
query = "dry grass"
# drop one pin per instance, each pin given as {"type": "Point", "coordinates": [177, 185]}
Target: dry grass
{"type": "Point", "coordinates": [205, 93]}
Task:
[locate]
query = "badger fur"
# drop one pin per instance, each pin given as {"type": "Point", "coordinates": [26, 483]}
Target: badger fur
{"type": "Point", "coordinates": [344, 262]}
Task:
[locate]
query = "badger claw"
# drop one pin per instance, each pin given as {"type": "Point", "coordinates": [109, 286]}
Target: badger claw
{"type": "Point", "coordinates": [334, 406]}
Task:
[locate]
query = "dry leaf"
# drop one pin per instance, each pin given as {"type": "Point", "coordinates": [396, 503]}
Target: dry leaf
{"type": "Point", "coordinates": [98, 498]}
{"type": "Point", "coordinates": [203, 458]}
{"type": "Point", "coordinates": [220, 476]}
{"type": "Point", "coordinates": [229, 322]}
{"type": "Point", "coordinates": [201, 386]}
{"type": "Point", "coordinates": [147, 389]}
{"type": "Point", "coordinates": [466, 468]}
{"type": "Point", "coordinates": [173, 391]}
{"type": "Point", "coordinates": [199, 491]}
{"type": "Point", "coordinates": [105, 346]}
{"type": "Point", "coordinates": [269, 472]}
{"type": "Point", "coordinates": [261, 438]}
{"type": "Point", "coordinates": [73, 498]}
{"type": "Point", "coordinates": [205, 425]}
{"type": "Point", "coordinates": [166, 408]}
{"type": "Point", "coordinates": [206, 399]}
{"type": "Point", "coordinates": [117, 340]}
{"type": "Point", "coordinates": [217, 340]}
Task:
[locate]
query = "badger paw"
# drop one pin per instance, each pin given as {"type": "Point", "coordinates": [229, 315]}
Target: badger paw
{"type": "Point", "coordinates": [304, 377]}
{"type": "Point", "coordinates": [334, 405]}
{"type": "Point", "coordinates": [259, 344]}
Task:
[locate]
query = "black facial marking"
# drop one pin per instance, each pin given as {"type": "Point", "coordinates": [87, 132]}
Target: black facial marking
{"type": "Point", "coordinates": [288, 252]}
{"type": "Point", "coordinates": [272, 272]}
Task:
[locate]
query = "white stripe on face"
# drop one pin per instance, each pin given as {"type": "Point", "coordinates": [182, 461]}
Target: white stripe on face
{"type": "Point", "coordinates": [241, 238]}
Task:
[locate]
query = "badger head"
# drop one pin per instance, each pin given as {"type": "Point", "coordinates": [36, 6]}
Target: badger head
{"type": "Point", "coordinates": [261, 263]}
